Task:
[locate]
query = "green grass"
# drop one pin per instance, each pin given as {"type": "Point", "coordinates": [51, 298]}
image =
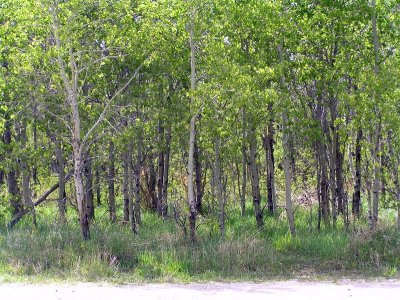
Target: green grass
{"type": "Point", "coordinates": [161, 253]}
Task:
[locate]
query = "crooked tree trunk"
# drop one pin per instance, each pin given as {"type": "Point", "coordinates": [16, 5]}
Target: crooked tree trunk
{"type": "Point", "coordinates": [255, 182]}
{"type": "Point", "coordinates": [110, 180]}
{"type": "Point", "coordinates": [70, 78]}
{"type": "Point", "coordinates": [71, 89]}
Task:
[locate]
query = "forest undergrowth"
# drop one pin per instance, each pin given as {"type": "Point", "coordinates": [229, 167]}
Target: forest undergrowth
{"type": "Point", "coordinates": [161, 252]}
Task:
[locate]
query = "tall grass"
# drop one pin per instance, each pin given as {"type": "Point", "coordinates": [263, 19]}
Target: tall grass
{"type": "Point", "coordinates": [161, 253]}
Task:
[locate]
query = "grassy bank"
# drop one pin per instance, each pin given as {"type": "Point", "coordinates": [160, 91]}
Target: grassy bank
{"type": "Point", "coordinates": [161, 253]}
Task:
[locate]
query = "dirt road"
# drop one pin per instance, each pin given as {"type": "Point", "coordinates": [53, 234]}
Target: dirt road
{"type": "Point", "coordinates": [377, 290]}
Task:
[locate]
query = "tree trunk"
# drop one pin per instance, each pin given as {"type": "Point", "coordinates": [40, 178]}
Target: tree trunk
{"type": "Point", "coordinates": [151, 183]}
{"type": "Point", "coordinates": [125, 186]}
{"type": "Point", "coordinates": [357, 186]}
{"type": "Point", "coordinates": [192, 199]}
{"type": "Point", "coordinates": [61, 179]}
{"type": "Point", "coordinates": [35, 146]}
{"type": "Point", "coordinates": [394, 163]}
{"type": "Point", "coordinates": [286, 153]}
{"type": "Point", "coordinates": [138, 167]}
{"type": "Point", "coordinates": [318, 169]}
{"type": "Point", "coordinates": [71, 89]}
{"type": "Point", "coordinates": [340, 192]}
{"type": "Point", "coordinates": [89, 197]}
{"type": "Point", "coordinates": [98, 186]}
{"type": "Point", "coordinates": [376, 149]}
{"type": "Point", "coordinates": [166, 170]}
{"type": "Point", "coordinates": [377, 174]}
{"type": "Point", "coordinates": [213, 188]}
{"type": "Point", "coordinates": [79, 190]}
{"type": "Point", "coordinates": [324, 186]}
{"type": "Point", "coordinates": [110, 180]}
{"type": "Point", "coordinates": [198, 178]}
{"type": "Point", "coordinates": [218, 182]}
{"type": "Point", "coordinates": [26, 187]}
{"type": "Point", "coordinates": [192, 136]}
{"type": "Point", "coordinates": [12, 185]}
{"type": "Point", "coordinates": [244, 164]}
{"type": "Point", "coordinates": [160, 173]}
{"type": "Point", "coordinates": [368, 185]}
{"type": "Point", "coordinates": [322, 159]}
{"type": "Point", "coordinates": [255, 183]}
{"type": "Point", "coordinates": [270, 162]}
{"type": "Point", "coordinates": [333, 162]}
{"type": "Point", "coordinates": [131, 191]}
{"type": "Point", "coordinates": [288, 182]}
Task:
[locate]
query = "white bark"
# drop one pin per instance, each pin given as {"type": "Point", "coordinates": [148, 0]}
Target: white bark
{"type": "Point", "coordinates": [71, 89]}
{"type": "Point", "coordinates": [376, 147]}
{"type": "Point", "coordinates": [286, 159]}
{"type": "Point", "coordinates": [192, 135]}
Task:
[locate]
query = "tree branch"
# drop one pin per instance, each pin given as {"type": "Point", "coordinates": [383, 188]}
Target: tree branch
{"type": "Point", "coordinates": [42, 198]}
{"type": "Point", "coordinates": [103, 113]}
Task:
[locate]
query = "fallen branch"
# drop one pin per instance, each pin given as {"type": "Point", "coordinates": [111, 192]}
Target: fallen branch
{"type": "Point", "coordinates": [42, 199]}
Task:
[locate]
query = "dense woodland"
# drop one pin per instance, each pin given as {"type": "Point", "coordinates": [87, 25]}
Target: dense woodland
{"type": "Point", "coordinates": [192, 110]}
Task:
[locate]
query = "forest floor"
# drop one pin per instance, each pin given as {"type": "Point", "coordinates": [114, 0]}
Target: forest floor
{"type": "Point", "coordinates": [299, 290]}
